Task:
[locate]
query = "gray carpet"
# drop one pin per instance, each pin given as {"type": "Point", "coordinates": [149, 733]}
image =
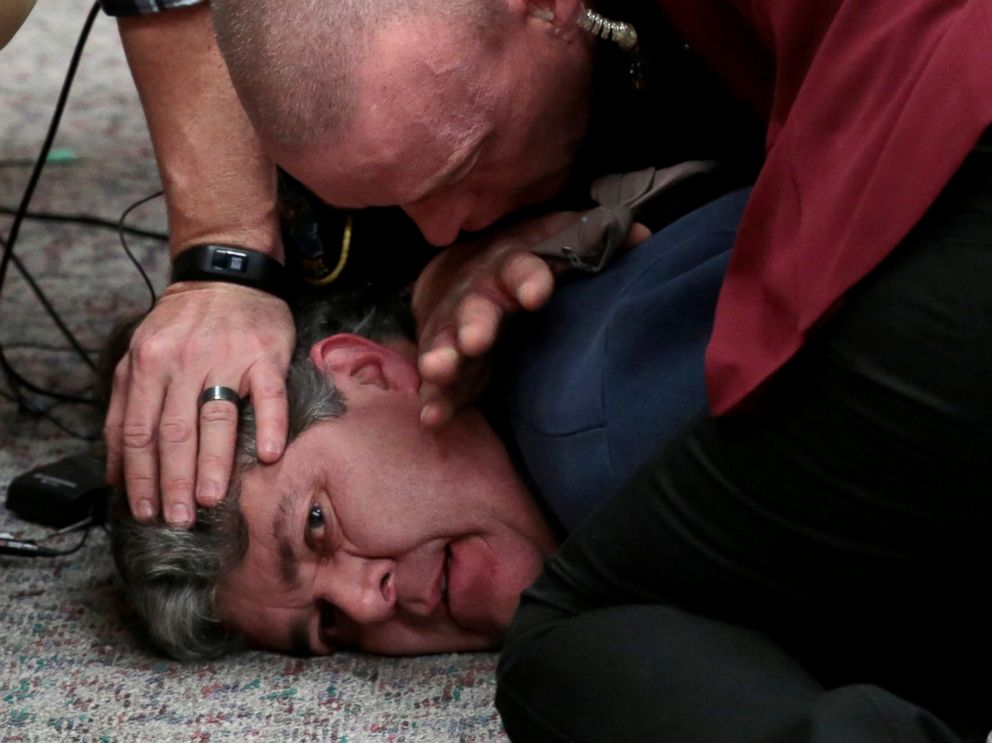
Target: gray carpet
{"type": "Point", "coordinates": [70, 664]}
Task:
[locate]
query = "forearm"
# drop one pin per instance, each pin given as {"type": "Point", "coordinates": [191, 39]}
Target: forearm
{"type": "Point", "coordinates": [219, 185]}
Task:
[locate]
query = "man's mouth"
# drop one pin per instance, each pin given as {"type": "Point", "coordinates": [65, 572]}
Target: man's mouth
{"type": "Point", "coordinates": [469, 585]}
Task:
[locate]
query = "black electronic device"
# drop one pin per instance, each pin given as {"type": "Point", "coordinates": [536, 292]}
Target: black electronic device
{"type": "Point", "coordinates": [61, 493]}
{"type": "Point", "coordinates": [232, 264]}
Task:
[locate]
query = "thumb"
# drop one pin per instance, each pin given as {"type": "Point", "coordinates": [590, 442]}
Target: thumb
{"type": "Point", "coordinates": [637, 234]}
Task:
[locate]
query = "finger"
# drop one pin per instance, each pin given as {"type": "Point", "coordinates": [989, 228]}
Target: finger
{"type": "Point", "coordinates": [441, 404]}
{"type": "Point", "coordinates": [528, 279]}
{"type": "Point", "coordinates": [139, 439]}
{"type": "Point", "coordinates": [267, 387]}
{"type": "Point", "coordinates": [478, 321]}
{"type": "Point", "coordinates": [638, 234]}
{"type": "Point", "coordinates": [435, 413]}
{"type": "Point", "coordinates": [439, 364]}
{"type": "Point", "coordinates": [177, 445]}
{"type": "Point", "coordinates": [113, 426]}
{"type": "Point", "coordinates": [218, 434]}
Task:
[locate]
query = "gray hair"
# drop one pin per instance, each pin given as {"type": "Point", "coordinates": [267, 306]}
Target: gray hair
{"type": "Point", "coordinates": [171, 574]}
{"type": "Point", "coordinates": [294, 62]}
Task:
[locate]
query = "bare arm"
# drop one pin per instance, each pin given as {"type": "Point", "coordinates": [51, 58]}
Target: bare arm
{"type": "Point", "coordinates": [220, 187]}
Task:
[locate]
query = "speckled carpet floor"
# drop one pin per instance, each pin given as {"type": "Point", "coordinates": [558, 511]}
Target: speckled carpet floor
{"type": "Point", "coordinates": [70, 666]}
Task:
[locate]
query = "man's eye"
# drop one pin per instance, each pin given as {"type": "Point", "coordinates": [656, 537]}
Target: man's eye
{"type": "Point", "coordinates": [315, 518]}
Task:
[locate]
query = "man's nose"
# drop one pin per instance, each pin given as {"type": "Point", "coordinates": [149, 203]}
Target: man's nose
{"type": "Point", "coordinates": [440, 218]}
{"type": "Point", "coordinates": [362, 588]}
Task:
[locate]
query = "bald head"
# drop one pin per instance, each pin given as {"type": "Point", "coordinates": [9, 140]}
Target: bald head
{"type": "Point", "coordinates": [294, 62]}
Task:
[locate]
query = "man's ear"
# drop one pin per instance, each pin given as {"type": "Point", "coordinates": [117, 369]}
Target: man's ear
{"type": "Point", "coordinates": [357, 362]}
{"type": "Point", "coordinates": [559, 16]}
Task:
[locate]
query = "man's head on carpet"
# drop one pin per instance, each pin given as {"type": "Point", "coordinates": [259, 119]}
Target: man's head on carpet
{"type": "Point", "coordinates": [369, 533]}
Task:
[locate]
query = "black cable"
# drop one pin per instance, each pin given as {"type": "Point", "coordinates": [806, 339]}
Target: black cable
{"type": "Point", "coordinates": [127, 249]}
{"type": "Point", "coordinates": [14, 378]}
{"type": "Point", "coordinates": [89, 220]}
{"type": "Point", "coordinates": [77, 546]}
{"type": "Point", "coordinates": [39, 412]}
{"type": "Point", "coordinates": [49, 139]}
{"type": "Point", "coordinates": [22, 269]}
{"type": "Point", "coordinates": [75, 398]}
{"type": "Point", "coordinates": [49, 347]}
{"type": "Point", "coordinates": [25, 274]}
{"type": "Point", "coordinates": [31, 548]}
{"type": "Point", "coordinates": [78, 526]}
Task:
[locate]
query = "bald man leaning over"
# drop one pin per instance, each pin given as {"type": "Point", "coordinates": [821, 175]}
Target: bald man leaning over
{"type": "Point", "coordinates": [207, 333]}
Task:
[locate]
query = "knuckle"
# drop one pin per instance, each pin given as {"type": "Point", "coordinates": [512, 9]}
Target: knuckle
{"type": "Point", "coordinates": [112, 430]}
{"type": "Point", "coordinates": [139, 483]}
{"type": "Point", "coordinates": [219, 412]}
{"type": "Point", "coordinates": [176, 430]}
{"type": "Point", "coordinates": [176, 488]}
{"type": "Point", "coordinates": [150, 353]}
{"type": "Point", "coordinates": [137, 436]}
{"type": "Point", "coordinates": [480, 309]}
{"type": "Point", "coordinates": [517, 258]}
{"type": "Point", "coordinates": [214, 464]}
{"type": "Point", "coordinates": [468, 305]}
{"type": "Point", "coordinates": [490, 311]}
{"type": "Point", "coordinates": [139, 478]}
{"type": "Point", "coordinates": [522, 265]}
{"type": "Point", "coordinates": [121, 371]}
{"type": "Point", "coordinates": [269, 390]}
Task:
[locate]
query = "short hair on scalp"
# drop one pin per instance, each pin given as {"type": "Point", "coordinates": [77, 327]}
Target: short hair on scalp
{"type": "Point", "coordinates": [171, 574]}
{"type": "Point", "coordinates": [293, 62]}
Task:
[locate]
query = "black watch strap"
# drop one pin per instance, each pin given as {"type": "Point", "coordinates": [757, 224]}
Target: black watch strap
{"type": "Point", "coordinates": [231, 264]}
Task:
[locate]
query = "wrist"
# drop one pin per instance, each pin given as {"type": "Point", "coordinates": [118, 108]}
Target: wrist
{"type": "Point", "coordinates": [216, 287]}
{"type": "Point", "coordinates": [261, 234]}
{"type": "Point", "coordinates": [250, 223]}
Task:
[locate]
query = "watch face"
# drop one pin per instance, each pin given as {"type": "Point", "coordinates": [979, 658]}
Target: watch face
{"type": "Point", "coordinates": [230, 261]}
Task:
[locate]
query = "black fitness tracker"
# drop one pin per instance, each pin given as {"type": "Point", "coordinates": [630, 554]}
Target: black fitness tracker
{"type": "Point", "coordinates": [231, 264]}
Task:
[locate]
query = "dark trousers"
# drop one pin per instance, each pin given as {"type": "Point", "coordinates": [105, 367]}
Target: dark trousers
{"type": "Point", "coordinates": [820, 572]}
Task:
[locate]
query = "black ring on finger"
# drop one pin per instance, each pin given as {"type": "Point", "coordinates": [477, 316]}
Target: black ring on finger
{"type": "Point", "coordinates": [219, 392]}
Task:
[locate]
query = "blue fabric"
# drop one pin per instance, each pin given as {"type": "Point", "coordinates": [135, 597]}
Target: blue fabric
{"type": "Point", "coordinates": [613, 367]}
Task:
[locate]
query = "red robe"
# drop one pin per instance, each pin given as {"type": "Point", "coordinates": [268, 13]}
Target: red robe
{"type": "Point", "coordinates": [872, 105]}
